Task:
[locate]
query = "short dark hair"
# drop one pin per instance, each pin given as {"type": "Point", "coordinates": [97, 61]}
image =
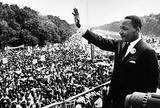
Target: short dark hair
{"type": "Point", "coordinates": [136, 21]}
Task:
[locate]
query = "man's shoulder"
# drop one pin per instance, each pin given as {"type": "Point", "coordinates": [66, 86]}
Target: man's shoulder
{"type": "Point", "coordinates": [146, 47]}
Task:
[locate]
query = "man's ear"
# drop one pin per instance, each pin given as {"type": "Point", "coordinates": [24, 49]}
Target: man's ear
{"type": "Point", "coordinates": [138, 29]}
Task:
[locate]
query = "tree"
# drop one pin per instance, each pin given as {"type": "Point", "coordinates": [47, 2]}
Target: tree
{"type": "Point", "coordinates": [26, 26]}
{"type": "Point", "coordinates": [30, 40]}
{"type": "Point", "coordinates": [14, 25]}
{"type": "Point", "coordinates": [14, 42]}
{"type": "Point", "coordinates": [27, 38]}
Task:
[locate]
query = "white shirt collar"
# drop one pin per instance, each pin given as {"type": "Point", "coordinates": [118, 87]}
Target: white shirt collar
{"type": "Point", "coordinates": [133, 43]}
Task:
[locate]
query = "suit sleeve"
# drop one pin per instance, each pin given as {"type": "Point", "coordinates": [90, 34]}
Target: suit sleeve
{"type": "Point", "coordinates": [99, 41]}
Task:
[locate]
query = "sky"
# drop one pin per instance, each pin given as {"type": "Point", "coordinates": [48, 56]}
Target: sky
{"type": "Point", "coordinates": [92, 12]}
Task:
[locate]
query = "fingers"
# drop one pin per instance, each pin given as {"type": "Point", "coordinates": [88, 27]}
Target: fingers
{"type": "Point", "coordinates": [76, 11]}
{"type": "Point", "coordinates": [76, 16]}
{"type": "Point", "coordinates": [73, 13]}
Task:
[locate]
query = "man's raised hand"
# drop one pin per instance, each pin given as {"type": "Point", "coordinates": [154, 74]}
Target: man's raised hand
{"type": "Point", "coordinates": [76, 17]}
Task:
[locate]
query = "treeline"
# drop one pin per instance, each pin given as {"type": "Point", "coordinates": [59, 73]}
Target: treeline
{"type": "Point", "coordinates": [26, 26]}
{"type": "Point", "coordinates": [151, 25]}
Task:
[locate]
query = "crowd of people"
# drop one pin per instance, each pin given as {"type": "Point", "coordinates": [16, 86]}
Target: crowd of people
{"type": "Point", "coordinates": [37, 77]}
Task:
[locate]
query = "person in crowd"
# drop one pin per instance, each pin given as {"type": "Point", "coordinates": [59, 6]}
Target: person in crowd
{"type": "Point", "coordinates": [135, 64]}
{"type": "Point", "coordinates": [80, 102]}
{"type": "Point", "coordinates": [98, 101]}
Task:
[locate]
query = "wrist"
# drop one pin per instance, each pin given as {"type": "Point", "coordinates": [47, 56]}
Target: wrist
{"type": "Point", "coordinates": [81, 31]}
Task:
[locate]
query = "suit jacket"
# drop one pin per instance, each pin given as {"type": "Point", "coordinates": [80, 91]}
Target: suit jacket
{"type": "Point", "coordinates": [138, 71]}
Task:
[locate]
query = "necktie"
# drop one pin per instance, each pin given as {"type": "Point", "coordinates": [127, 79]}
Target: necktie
{"type": "Point", "coordinates": [124, 50]}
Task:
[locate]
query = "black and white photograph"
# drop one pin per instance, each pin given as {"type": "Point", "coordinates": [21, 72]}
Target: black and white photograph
{"type": "Point", "coordinates": [79, 54]}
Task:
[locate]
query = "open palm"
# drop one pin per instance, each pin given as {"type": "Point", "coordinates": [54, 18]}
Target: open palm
{"type": "Point", "coordinates": [76, 17]}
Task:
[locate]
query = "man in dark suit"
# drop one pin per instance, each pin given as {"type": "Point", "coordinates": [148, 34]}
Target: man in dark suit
{"type": "Point", "coordinates": [135, 69]}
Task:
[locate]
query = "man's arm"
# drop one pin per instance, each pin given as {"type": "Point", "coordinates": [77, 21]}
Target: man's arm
{"type": "Point", "coordinates": [99, 41]}
{"type": "Point", "coordinates": [76, 17]}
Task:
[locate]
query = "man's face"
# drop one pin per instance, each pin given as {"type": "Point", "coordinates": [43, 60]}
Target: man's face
{"type": "Point", "coordinates": [127, 31]}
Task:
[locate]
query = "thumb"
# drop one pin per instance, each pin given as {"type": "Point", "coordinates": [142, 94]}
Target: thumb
{"type": "Point", "coordinates": [73, 13]}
